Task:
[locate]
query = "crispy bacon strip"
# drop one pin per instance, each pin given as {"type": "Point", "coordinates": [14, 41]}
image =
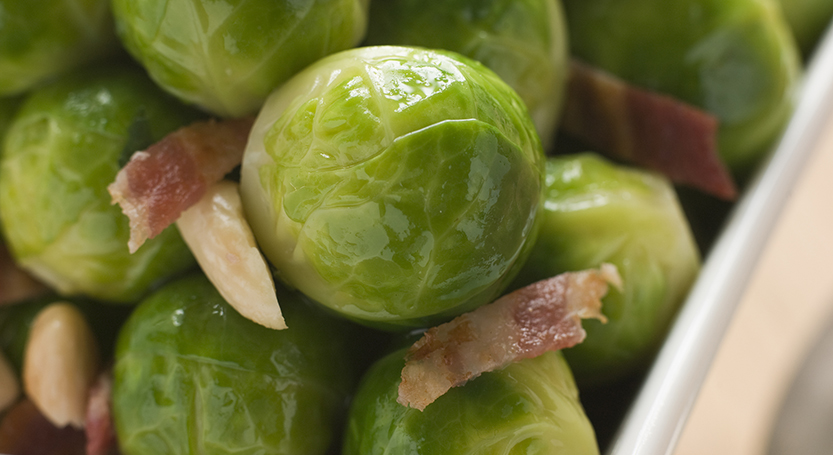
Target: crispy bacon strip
{"type": "Point", "coordinates": [544, 316]}
{"type": "Point", "coordinates": [15, 284]}
{"type": "Point", "coordinates": [646, 128]}
{"type": "Point", "coordinates": [25, 431]}
{"type": "Point", "coordinates": [101, 436]}
{"type": "Point", "coordinates": [173, 174]}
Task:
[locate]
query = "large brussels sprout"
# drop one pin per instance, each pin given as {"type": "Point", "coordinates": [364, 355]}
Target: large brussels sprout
{"type": "Point", "coordinates": [192, 376]}
{"type": "Point", "coordinates": [41, 39]}
{"type": "Point", "coordinates": [733, 58]}
{"type": "Point", "coordinates": [228, 56]}
{"type": "Point", "coordinates": [396, 186]}
{"type": "Point", "coordinates": [807, 19]}
{"type": "Point", "coordinates": [61, 151]}
{"type": "Point", "coordinates": [523, 41]}
{"type": "Point", "coordinates": [530, 407]}
{"type": "Point", "coordinates": [597, 212]}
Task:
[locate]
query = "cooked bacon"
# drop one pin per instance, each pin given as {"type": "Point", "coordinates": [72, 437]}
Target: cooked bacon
{"type": "Point", "coordinates": [25, 431]}
{"type": "Point", "coordinates": [15, 284]}
{"type": "Point", "coordinates": [101, 436]}
{"type": "Point", "coordinates": [646, 128]}
{"type": "Point", "coordinates": [173, 174]}
{"type": "Point", "coordinates": [544, 316]}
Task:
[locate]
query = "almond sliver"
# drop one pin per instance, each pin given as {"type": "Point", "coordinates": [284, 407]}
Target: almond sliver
{"type": "Point", "coordinates": [222, 241]}
{"type": "Point", "coordinates": [60, 364]}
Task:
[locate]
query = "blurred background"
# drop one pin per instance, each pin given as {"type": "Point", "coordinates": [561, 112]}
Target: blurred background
{"type": "Point", "coordinates": [784, 313]}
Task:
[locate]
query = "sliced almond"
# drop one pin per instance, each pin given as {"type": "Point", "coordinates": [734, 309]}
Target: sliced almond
{"type": "Point", "coordinates": [60, 364]}
{"type": "Point", "coordinates": [9, 387]}
{"type": "Point", "coordinates": [222, 241]}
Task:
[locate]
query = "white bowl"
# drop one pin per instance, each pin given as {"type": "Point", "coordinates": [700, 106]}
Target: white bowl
{"type": "Point", "coordinates": [657, 416]}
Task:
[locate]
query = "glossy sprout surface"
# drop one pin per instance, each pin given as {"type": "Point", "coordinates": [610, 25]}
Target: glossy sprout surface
{"type": "Point", "coordinates": [530, 407]}
{"type": "Point", "coordinates": [62, 150]}
{"type": "Point", "coordinates": [732, 58]}
{"type": "Point", "coordinates": [396, 186]}
{"type": "Point", "coordinates": [523, 41]}
{"type": "Point", "coordinates": [596, 212]}
{"type": "Point", "coordinates": [45, 38]}
{"type": "Point", "coordinates": [228, 55]}
{"type": "Point", "coordinates": [192, 376]}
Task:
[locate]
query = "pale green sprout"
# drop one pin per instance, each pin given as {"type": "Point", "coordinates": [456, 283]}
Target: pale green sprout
{"type": "Point", "coordinates": [396, 186]}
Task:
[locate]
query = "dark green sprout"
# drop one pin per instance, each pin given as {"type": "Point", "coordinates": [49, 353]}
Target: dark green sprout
{"type": "Point", "coordinates": [732, 58]}
{"type": "Point", "coordinates": [192, 376]}
{"type": "Point", "coordinates": [597, 212]}
{"type": "Point", "coordinates": [42, 39]}
{"type": "Point", "coordinates": [530, 407]}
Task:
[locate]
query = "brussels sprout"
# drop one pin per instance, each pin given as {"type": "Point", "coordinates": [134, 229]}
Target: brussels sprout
{"type": "Point", "coordinates": [530, 407]}
{"type": "Point", "coordinates": [807, 19]}
{"type": "Point", "coordinates": [44, 38]}
{"type": "Point", "coordinates": [193, 376]}
{"type": "Point", "coordinates": [732, 58]}
{"type": "Point", "coordinates": [396, 186]}
{"type": "Point", "coordinates": [62, 150]}
{"type": "Point", "coordinates": [228, 56]}
{"type": "Point", "coordinates": [597, 212]}
{"type": "Point", "coordinates": [524, 42]}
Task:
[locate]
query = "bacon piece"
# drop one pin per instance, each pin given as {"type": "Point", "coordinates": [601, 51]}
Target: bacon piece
{"type": "Point", "coordinates": [173, 174]}
{"type": "Point", "coordinates": [25, 431]}
{"type": "Point", "coordinates": [646, 128]}
{"type": "Point", "coordinates": [544, 316]}
{"type": "Point", "coordinates": [15, 284]}
{"type": "Point", "coordinates": [101, 436]}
